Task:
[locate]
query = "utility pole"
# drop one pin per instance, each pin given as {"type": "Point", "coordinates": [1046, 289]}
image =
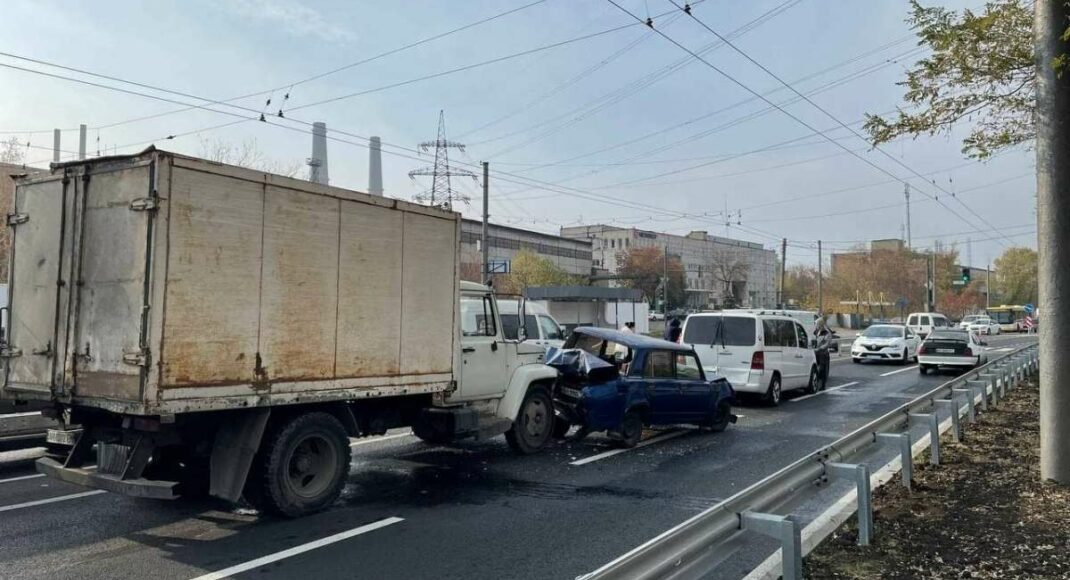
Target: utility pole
{"type": "Point", "coordinates": [665, 282]}
{"type": "Point", "coordinates": [820, 294]}
{"type": "Point", "coordinates": [1053, 239]}
{"type": "Point", "coordinates": [988, 286]}
{"type": "Point", "coordinates": [934, 281]}
{"type": "Point", "coordinates": [486, 220]}
{"type": "Point", "coordinates": [783, 265]}
{"type": "Point", "coordinates": [906, 192]}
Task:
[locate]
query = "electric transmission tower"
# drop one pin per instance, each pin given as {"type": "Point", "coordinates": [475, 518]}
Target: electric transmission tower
{"type": "Point", "coordinates": [441, 194]}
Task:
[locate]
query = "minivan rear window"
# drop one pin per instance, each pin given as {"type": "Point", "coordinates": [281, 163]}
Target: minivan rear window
{"type": "Point", "coordinates": [726, 330]}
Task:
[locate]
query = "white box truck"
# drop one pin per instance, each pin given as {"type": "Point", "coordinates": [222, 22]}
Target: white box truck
{"type": "Point", "coordinates": [214, 328]}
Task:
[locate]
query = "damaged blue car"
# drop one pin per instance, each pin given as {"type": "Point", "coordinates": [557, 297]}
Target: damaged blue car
{"type": "Point", "coordinates": [622, 382]}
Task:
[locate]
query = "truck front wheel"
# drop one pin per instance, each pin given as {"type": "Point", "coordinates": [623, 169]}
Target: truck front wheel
{"type": "Point", "coordinates": [301, 466]}
{"type": "Point", "coordinates": [534, 424]}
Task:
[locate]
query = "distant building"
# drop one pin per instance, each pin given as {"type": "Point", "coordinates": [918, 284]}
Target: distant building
{"type": "Point", "coordinates": [839, 259]}
{"type": "Point", "coordinates": [717, 270]}
{"type": "Point", "coordinates": [504, 243]}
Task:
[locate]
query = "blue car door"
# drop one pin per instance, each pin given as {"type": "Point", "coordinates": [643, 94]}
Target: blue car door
{"type": "Point", "coordinates": [697, 394]}
{"type": "Point", "coordinates": [662, 388]}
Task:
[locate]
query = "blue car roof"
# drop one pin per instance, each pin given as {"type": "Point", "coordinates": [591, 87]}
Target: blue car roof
{"type": "Point", "coordinates": [631, 340]}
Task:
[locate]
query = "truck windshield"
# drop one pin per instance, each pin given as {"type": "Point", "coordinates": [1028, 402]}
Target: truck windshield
{"type": "Point", "coordinates": [726, 330]}
{"type": "Point", "coordinates": [510, 327]}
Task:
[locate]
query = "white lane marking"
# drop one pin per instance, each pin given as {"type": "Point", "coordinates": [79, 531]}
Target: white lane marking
{"type": "Point", "coordinates": [253, 564]}
{"type": "Point", "coordinates": [828, 390]}
{"type": "Point", "coordinates": [910, 368]}
{"type": "Point", "coordinates": [26, 414]}
{"type": "Point", "coordinates": [22, 477]}
{"type": "Point", "coordinates": [360, 442]}
{"type": "Point", "coordinates": [18, 506]}
{"type": "Point", "coordinates": [651, 441]}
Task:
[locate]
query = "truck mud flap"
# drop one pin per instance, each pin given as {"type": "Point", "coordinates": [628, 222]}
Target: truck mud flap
{"type": "Point", "coordinates": [106, 481]}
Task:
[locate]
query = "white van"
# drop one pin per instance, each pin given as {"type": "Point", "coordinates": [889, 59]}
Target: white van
{"type": "Point", "coordinates": [764, 354]}
{"type": "Point", "coordinates": [541, 328]}
{"type": "Point", "coordinates": [922, 323]}
{"type": "Point", "coordinates": [808, 318]}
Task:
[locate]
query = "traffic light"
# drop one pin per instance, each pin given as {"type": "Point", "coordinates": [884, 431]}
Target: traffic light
{"type": "Point", "coordinates": [965, 275]}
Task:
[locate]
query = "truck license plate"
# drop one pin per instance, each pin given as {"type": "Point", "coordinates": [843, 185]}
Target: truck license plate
{"type": "Point", "coordinates": [63, 436]}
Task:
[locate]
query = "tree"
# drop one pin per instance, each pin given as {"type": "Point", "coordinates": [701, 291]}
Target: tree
{"type": "Point", "coordinates": [11, 151]}
{"type": "Point", "coordinates": [981, 69]}
{"type": "Point", "coordinates": [247, 154]}
{"type": "Point", "coordinates": [1016, 275]}
{"type": "Point", "coordinates": [642, 268]}
{"type": "Point", "coordinates": [958, 303]}
{"type": "Point", "coordinates": [527, 269]}
{"type": "Point", "coordinates": [730, 269]}
{"type": "Point", "coordinates": [800, 286]}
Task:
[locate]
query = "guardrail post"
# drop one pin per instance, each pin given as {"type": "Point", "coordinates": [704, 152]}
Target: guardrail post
{"type": "Point", "coordinates": [906, 455]}
{"type": "Point", "coordinates": [992, 382]}
{"type": "Point", "coordinates": [783, 528]}
{"type": "Point", "coordinates": [953, 405]}
{"type": "Point", "coordinates": [934, 434]}
{"type": "Point", "coordinates": [970, 413]}
{"type": "Point", "coordinates": [983, 387]}
{"type": "Point", "coordinates": [860, 474]}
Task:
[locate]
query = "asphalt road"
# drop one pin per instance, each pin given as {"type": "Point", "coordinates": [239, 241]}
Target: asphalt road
{"type": "Point", "coordinates": [413, 510]}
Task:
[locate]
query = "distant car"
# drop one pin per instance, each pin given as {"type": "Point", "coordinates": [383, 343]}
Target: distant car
{"type": "Point", "coordinates": [922, 323]}
{"type": "Point", "coordinates": [889, 342]}
{"type": "Point", "coordinates": [951, 348]}
{"type": "Point", "coordinates": [984, 325]}
{"type": "Point", "coordinates": [968, 320]}
{"type": "Point", "coordinates": [656, 316]}
{"type": "Point", "coordinates": [540, 328]}
{"type": "Point", "coordinates": [620, 383]}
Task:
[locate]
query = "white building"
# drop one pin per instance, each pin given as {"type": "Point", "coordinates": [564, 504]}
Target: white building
{"type": "Point", "coordinates": [717, 270]}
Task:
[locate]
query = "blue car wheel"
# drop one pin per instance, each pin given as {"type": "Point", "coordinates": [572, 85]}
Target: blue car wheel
{"type": "Point", "coordinates": [719, 418]}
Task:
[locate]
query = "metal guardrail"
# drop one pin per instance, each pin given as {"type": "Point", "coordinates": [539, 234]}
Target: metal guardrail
{"type": "Point", "coordinates": [690, 550]}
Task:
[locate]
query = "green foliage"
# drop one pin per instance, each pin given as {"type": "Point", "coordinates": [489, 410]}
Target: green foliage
{"type": "Point", "coordinates": [981, 70]}
{"type": "Point", "coordinates": [527, 269]}
{"type": "Point", "coordinates": [1016, 275]}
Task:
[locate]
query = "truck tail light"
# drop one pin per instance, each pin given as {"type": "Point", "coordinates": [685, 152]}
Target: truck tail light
{"type": "Point", "coordinates": [757, 361]}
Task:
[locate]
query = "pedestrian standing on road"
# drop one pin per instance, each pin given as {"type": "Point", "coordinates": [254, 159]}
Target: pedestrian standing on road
{"type": "Point", "coordinates": [823, 336]}
{"type": "Point", "coordinates": [672, 330]}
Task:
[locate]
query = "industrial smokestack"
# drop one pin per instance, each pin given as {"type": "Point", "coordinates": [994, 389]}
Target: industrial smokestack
{"type": "Point", "coordinates": [317, 164]}
{"type": "Point", "coordinates": [375, 167]}
{"type": "Point", "coordinates": [81, 141]}
{"type": "Point", "coordinates": [55, 145]}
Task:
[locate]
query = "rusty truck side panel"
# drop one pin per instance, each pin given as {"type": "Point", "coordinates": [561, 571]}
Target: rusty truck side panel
{"type": "Point", "coordinates": [225, 287]}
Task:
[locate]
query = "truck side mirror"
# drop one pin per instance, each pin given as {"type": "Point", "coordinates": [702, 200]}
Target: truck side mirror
{"type": "Point", "coordinates": [521, 322]}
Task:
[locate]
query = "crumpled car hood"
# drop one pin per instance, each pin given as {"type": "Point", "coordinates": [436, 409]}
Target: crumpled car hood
{"type": "Point", "coordinates": [580, 364]}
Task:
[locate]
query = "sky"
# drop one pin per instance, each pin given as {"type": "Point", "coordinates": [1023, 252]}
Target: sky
{"type": "Point", "coordinates": [614, 123]}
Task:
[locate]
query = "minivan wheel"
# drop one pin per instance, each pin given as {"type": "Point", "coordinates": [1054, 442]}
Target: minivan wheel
{"type": "Point", "coordinates": [772, 395]}
{"type": "Point", "coordinates": [814, 386]}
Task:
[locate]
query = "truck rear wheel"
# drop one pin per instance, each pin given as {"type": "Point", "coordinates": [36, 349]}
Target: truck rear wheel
{"type": "Point", "coordinates": [301, 466]}
{"type": "Point", "coordinates": [534, 424]}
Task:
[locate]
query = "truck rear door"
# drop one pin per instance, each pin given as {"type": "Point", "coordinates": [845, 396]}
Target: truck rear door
{"type": "Point", "coordinates": [107, 351]}
{"type": "Point", "coordinates": [38, 244]}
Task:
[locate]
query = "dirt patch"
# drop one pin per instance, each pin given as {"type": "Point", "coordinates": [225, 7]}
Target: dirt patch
{"type": "Point", "coordinates": [982, 513]}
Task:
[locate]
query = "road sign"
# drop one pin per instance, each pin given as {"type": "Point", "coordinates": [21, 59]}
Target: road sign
{"type": "Point", "coordinates": [1029, 308]}
{"type": "Point", "coordinates": [958, 283]}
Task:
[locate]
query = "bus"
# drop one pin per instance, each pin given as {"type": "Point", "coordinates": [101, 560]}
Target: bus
{"type": "Point", "coordinates": [1009, 318]}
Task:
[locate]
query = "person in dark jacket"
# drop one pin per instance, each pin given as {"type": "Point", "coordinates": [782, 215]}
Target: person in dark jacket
{"type": "Point", "coordinates": [672, 330]}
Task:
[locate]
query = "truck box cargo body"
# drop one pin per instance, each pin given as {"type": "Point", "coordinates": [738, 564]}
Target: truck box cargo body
{"type": "Point", "coordinates": [156, 284]}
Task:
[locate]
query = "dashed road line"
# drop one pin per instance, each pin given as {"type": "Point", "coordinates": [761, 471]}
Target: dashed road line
{"type": "Point", "coordinates": [910, 368]}
{"type": "Point", "coordinates": [651, 441]}
{"type": "Point", "coordinates": [296, 550]}
{"type": "Point", "coordinates": [19, 506]}
{"type": "Point", "coordinates": [22, 477]}
{"type": "Point", "coordinates": [828, 390]}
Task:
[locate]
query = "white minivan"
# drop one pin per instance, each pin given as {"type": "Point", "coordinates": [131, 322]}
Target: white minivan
{"type": "Point", "coordinates": [922, 323]}
{"type": "Point", "coordinates": [539, 326]}
{"type": "Point", "coordinates": [763, 354]}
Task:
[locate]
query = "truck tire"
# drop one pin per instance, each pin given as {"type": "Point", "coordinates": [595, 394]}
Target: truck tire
{"type": "Point", "coordinates": [534, 425]}
{"type": "Point", "coordinates": [301, 466]}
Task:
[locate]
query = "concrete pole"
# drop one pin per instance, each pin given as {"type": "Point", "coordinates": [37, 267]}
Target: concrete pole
{"type": "Point", "coordinates": [55, 145]}
{"type": "Point", "coordinates": [1053, 209]}
{"type": "Point", "coordinates": [486, 220]}
{"type": "Point", "coordinates": [820, 294]}
{"type": "Point", "coordinates": [906, 192]}
{"type": "Point", "coordinates": [783, 266]}
{"type": "Point", "coordinates": [81, 141]}
{"type": "Point", "coordinates": [988, 286]}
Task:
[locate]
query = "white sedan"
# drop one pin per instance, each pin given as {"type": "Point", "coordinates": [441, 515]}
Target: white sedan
{"type": "Point", "coordinates": [893, 342]}
{"type": "Point", "coordinates": [984, 325]}
{"type": "Point", "coordinates": [951, 348]}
